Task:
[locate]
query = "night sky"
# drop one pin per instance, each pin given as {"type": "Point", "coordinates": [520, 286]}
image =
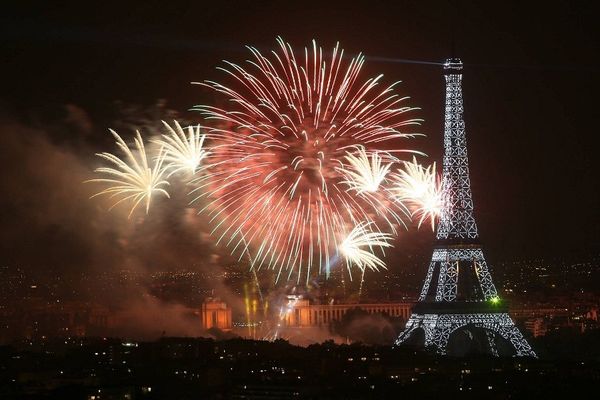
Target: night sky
{"type": "Point", "coordinates": [531, 84]}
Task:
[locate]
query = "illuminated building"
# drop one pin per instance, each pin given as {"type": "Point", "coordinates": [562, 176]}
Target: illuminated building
{"type": "Point", "coordinates": [304, 314]}
{"type": "Point", "coordinates": [215, 314]}
{"type": "Point", "coordinates": [536, 326]}
{"type": "Point", "coordinates": [538, 312]}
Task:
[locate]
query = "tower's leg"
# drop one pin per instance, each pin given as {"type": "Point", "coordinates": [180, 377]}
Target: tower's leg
{"type": "Point", "coordinates": [429, 326]}
{"type": "Point", "coordinates": [437, 331]}
{"type": "Point", "coordinates": [491, 338]}
{"type": "Point", "coordinates": [483, 272]}
{"type": "Point", "coordinates": [413, 323]}
{"type": "Point", "coordinates": [441, 335]}
{"type": "Point", "coordinates": [428, 278]}
{"type": "Point", "coordinates": [448, 279]}
{"type": "Point", "coordinates": [510, 332]}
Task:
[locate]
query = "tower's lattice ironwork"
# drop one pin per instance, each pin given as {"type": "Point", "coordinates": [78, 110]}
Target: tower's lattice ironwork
{"type": "Point", "coordinates": [458, 291]}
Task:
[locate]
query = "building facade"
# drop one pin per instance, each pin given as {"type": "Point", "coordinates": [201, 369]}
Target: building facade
{"type": "Point", "coordinates": [215, 314]}
{"type": "Point", "coordinates": [304, 314]}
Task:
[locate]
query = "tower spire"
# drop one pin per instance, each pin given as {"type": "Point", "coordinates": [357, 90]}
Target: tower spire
{"type": "Point", "coordinates": [458, 291]}
{"type": "Point", "coordinates": [457, 223]}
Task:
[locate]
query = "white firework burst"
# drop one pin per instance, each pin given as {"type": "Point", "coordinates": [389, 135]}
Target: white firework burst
{"type": "Point", "coordinates": [357, 248]}
{"type": "Point", "coordinates": [183, 153]}
{"type": "Point", "coordinates": [132, 179]}
{"type": "Point", "coordinates": [366, 172]}
{"type": "Point", "coordinates": [420, 188]}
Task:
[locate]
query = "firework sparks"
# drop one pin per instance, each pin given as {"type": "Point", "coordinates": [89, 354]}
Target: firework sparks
{"type": "Point", "coordinates": [283, 153]}
{"type": "Point", "coordinates": [132, 179]}
{"type": "Point", "coordinates": [183, 153]}
{"type": "Point", "coordinates": [301, 155]}
{"type": "Point", "coordinates": [361, 237]}
{"type": "Point", "coordinates": [365, 175]}
{"type": "Point", "coordinates": [420, 188]}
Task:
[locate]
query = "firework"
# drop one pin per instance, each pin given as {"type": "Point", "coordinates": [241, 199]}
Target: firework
{"type": "Point", "coordinates": [182, 153]}
{"type": "Point", "coordinates": [299, 157]}
{"type": "Point", "coordinates": [419, 187]}
{"type": "Point", "coordinates": [132, 179]}
{"type": "Point", "coordinates": [357, 247]}
{"type": "Point", "coordinates": [365, 175]}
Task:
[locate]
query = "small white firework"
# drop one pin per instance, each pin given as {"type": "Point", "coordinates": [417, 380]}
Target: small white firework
{"type": "Point", "coordinates": [132, 179]}
{"type": "Point", "coordinates": [366, 171]}
{"type": "Point", "coordinates": [183, 153]}
{"type": "Point", "coordinates": [419, 187]}
{"type": "Point", "coordinates": [358, 246]}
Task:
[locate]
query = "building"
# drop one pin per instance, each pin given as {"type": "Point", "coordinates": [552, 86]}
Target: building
{"type": "Point", "coordinates": [215, 314]}
{"type": "Point", "coordinates": [65, 319]}
{"type": "Point", "coordinates": [536, 326]}
{"type": "Point", "coordinates": [538, 312]}
{"type": "Point", "coordinates": [301, 313]}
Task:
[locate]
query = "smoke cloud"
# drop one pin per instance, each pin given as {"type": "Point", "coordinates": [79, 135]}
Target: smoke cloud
{"type": "Point", "coordinates": [52, 230]}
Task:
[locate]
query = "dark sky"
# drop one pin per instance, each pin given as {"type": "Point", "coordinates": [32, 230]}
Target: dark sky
{"type": "Point", "coordinates": [531, 87]}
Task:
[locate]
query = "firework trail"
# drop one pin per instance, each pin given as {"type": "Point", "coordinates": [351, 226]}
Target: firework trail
{"type": "Point", "coordinates": [132, 179]}
{"type": "Point", "coordinates": [182, 153]}
{"type": "Point", "coordinates": [300, 157]}
{"type": "Point", "coordinates": [420, 188]}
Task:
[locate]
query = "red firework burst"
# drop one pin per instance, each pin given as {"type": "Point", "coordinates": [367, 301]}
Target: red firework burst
{"type": "Point", "coordinates": [299, 159]}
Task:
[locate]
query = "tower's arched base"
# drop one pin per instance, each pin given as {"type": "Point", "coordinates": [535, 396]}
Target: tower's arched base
{"type": "Point", "coordinates": [438, 328]}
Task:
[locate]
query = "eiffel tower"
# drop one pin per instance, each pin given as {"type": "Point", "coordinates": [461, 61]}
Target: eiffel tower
{"type": "Point", "coordinates": [458, 292]}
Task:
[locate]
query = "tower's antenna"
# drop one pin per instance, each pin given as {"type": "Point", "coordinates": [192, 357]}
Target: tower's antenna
{"type": "Point", "coordinates": [454, 14]}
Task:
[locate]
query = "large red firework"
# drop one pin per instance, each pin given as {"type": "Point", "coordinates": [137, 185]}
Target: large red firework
{"type": "Point", "coordinates": [298, 159]}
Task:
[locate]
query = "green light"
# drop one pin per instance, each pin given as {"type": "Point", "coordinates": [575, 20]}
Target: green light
{"type": "Point", "coordinates": [495, 300]}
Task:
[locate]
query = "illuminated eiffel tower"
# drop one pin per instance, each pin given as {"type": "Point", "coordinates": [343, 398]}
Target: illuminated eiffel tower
{"type": "Point", "coordinates": [458, 292]}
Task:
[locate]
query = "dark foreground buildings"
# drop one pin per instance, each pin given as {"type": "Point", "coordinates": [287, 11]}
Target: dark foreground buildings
{"type": "Point", "coordinates": [197, 368]}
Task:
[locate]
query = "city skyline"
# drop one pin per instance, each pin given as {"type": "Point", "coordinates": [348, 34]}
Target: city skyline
{"type": "Point", "coordinates": [266, 199]}
{"type": "Point", "coordinates": [529, 92]}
